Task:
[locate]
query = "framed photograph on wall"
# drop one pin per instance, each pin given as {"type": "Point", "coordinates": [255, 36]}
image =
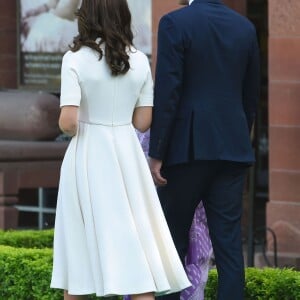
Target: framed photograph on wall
{"type": "Point", "coordinates": [47, 28]}
{"type": "Point", "coordinates": [141, 11]}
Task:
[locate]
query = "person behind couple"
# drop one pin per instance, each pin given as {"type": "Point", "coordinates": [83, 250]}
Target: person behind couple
{"type": "Point", "coordinates": [111, 237]}
{"type": "Point", "coordinates": [206, 93]}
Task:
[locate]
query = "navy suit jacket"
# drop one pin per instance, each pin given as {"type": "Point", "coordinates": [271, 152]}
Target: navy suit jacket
{"type": "Point", "coordinates": [206, 85]}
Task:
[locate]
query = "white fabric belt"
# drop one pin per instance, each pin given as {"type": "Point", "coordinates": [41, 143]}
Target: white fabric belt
{"type": "Point", "coordinates": [102, 124]}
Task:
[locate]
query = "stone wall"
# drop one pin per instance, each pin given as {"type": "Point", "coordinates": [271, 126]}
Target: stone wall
{"type": "Point", "coordinates": [8, 44]}
{"type": "Point", "coordinates": [159, 8]}
{"type": "Point", "coordinates": [283, 214]}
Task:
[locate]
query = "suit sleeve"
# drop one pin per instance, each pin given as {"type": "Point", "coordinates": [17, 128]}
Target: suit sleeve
{"type": "Point", "coordinates": [168, 85]}
{"type": "Point", "coordinates": [251, 89]}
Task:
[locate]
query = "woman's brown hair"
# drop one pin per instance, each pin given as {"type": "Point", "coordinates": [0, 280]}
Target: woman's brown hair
{"type": "Point", "coordinates": [109, 20]}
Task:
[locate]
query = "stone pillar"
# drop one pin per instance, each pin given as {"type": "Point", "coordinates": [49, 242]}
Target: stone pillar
{"type": "Point", "coordinates": [159, 8]}
{"type": "Point", "coordinates": [8, 44]}
{"type": "Point", "coordinates": [283, 211]}
{"type": "Point", "coordinates": [8, 198]}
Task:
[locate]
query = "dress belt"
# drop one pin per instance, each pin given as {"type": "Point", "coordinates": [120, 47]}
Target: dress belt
{"type": "Point", "coordinates": [102, 124]}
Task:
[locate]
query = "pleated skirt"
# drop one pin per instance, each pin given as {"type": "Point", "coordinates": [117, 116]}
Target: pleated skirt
{"type": "Point", "coordinates": [111, 236]}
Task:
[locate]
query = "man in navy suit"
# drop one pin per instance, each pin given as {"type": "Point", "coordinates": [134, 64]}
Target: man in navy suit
{"type": "Point", "coordinates": [206, 93]}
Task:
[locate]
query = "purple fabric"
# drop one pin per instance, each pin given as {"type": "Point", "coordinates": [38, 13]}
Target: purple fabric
{"type": "Point", "coordinates": [200, 248]}
{"type": "Point", "coordinates": [144, 140]}
{"type": "Point", "coordinates": [198, 256]}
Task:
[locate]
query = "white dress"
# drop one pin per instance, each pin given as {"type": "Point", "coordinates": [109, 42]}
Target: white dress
{"type": "Point", "coordinates": [111, 237]}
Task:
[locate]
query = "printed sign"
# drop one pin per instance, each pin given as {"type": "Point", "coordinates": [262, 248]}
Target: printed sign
{"type": "Point", "coordinates": [47, 27]}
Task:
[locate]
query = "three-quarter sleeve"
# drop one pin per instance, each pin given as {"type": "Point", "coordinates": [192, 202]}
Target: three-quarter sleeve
{"type": "Point", "coordinates": [146, 94]}
{"type": "Point", "coordinates": [70, 86]}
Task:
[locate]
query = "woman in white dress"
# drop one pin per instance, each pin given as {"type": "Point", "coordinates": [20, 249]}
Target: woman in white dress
{"type": "Point", "coordinates": [111, 237]}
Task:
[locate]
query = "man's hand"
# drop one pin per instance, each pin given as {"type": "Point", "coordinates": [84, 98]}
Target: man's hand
{"type": "Point", "coordinates": [155, 168]}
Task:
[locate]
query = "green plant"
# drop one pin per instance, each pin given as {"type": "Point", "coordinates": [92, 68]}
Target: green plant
{"type": "Point", "coordinates": [272, 284]}
{"type": "Point", "coordinates": [211, 286]}
{"type": "Point", "coordinates": [25, 274]}
{"type": "Point", "coordinates": [26, 266]}
{"type": "Point", "coordinates": [263, 284]}
{"type": "Point", "coordinates": [27, 238]}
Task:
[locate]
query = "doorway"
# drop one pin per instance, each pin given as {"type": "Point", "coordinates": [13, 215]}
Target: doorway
{"type": "Point", "coordinates": [257, 12]}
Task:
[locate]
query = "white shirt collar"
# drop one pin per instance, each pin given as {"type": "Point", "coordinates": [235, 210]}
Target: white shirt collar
{"type": "Point", "coordinates": [190, 2]}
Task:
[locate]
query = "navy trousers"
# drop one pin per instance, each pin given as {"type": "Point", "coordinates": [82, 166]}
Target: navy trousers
{"type": "Point", "coordinates": [219, 184]}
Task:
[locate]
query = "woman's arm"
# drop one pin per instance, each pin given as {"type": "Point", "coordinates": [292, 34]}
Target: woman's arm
{"type": "Point", "coordinates": [142, 118]}
{"type": "Point", "coordinates": [68, 120]}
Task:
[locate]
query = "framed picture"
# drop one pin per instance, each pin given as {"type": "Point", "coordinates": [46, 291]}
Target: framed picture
{"type": "Point", "coordinates": [142, 24]}
{"type": "Point", "coordinates": [47, 28]}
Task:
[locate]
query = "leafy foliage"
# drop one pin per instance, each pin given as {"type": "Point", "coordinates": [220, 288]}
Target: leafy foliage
{"type": "Point", "coordinates": [27, 238]}
{"type": "Point", "coordinates": [26, 266]}
{"type": "Point", "coordinates": [263, 284]}
{"type": "Point", "coordinates": [25, 274]}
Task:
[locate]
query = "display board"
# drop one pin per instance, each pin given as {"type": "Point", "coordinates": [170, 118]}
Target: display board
{"type": "Point", "coordinates": [47, 28]}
